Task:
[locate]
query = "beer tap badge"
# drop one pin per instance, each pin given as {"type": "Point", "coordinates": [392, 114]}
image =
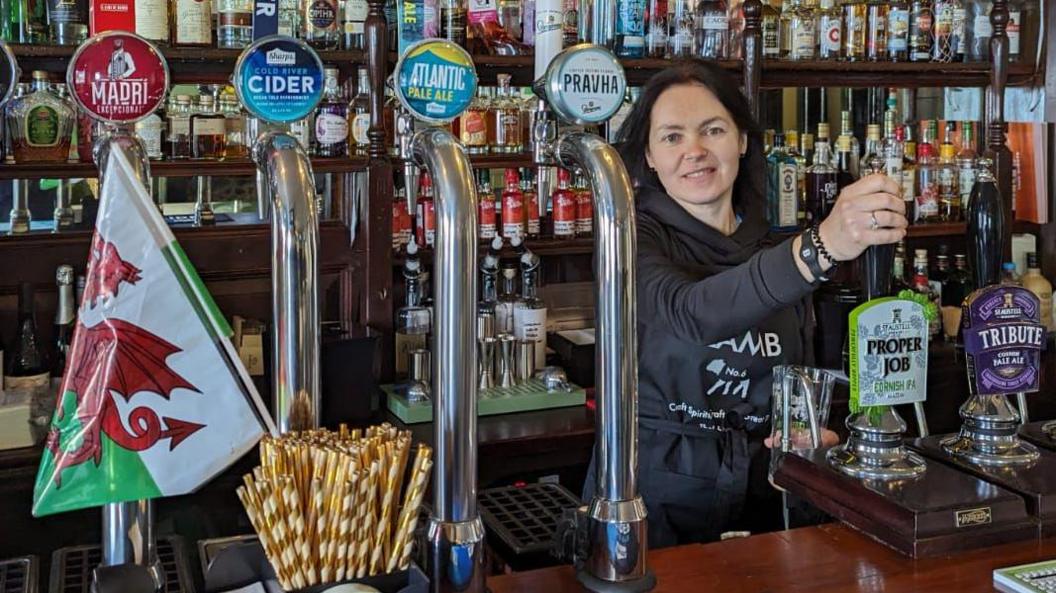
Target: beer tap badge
{"type": "Point", "coordinates": [888, 355]}
{"type": "Point", "coordinates": [585, 84]}
{"type": "Point", "coordinates": [279, 79]}
{"type": "Point", "coordinates": [435, 80]}
{"type": "Point", "coordinates": [118, 77]}
{"type": "Point", "coordinates": [1003, 338]}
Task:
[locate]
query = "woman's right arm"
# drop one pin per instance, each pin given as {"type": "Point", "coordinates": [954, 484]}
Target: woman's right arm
{"type": "Point", "coordinates": [704, 311]}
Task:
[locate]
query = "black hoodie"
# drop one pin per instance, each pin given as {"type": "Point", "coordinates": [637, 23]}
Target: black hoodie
{"type": "Point", "coordinates": [716, 313]}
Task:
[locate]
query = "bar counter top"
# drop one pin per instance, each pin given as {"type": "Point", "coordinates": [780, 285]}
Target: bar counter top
{"type": "Point", "coordinates": [829, 558]}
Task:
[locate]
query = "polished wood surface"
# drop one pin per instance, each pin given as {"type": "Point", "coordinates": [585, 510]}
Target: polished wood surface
{"type": "Point", "coordinates": [825, 559]}
{"type": "Point", "coordinates": [919, 518]}
{"type": "Point", "coordinates": [1039, 433]}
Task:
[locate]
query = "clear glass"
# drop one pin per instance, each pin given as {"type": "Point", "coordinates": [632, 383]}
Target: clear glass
{"type": "Point", "coordinates": [782, 189]}
{"type": "Point", "coordinates": [208, 131]}
{"type": "Point", "coordinates": [978, 30]}
{"type": "Point", "coordinates": [234, 23]}
{"type": "Point", "coordinates": [898, 31]}
{"type": "Point", "coordinates": [680, 25]}
{"type": "Point", "coordinates": [800, 402]}
{"type": "Point", "coordinates": [234, 127]}
{"type": "Point", "coordinates": [656, 29]}
{"type": "Point", "coordinates": [630, 28]}
{"type": "Point", "coordinates": [771, 31]}
{"type": "Point", "coordinates": [830, 31]}
{"type": "Point", "coordinates": [359, 112]}
{"type": "Point", "coordinates": [803, 27]}
{"type": "Point", "coordinates": [453, 21]}
{"type": "Point", "coordinates": [855, 27]}
{"type": "Point", "coordinates": [353, 23]}
{"type": "Point", "coordinates": [711, 29]}
{"type": "Point", "coordinates": [510, 18]}
{"type": "Point", "coordinates": [876, 30]}
{"type": "Point", "coordinates": [949, 30]}
{"type": "Point", "coordinates": [330, 137]}
{"type": "Point", "coordinates": [40, 124]}
{"type": "Point", "coordinates": [68, 21]}
{"type": "Point", "coordinates": [289, 17]}
{"type": "Point", "coordinates": [179, 127]}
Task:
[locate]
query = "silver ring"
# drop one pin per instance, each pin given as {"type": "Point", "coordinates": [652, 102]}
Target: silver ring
{"type": "Point", "coordinates": [873, 223]}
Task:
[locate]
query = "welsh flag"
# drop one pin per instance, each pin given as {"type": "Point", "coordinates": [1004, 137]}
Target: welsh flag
{"type": "Point", "coordinates": [154, 400]}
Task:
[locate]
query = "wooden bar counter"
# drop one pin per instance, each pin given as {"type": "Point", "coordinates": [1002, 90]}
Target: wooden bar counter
{"type": "Point", "coordinates": [829, 558]}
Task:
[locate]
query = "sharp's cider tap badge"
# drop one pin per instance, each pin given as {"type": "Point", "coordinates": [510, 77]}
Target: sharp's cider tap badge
{"type": "Point", "coordinates": [1003, 338]}
{"type": "Point", "coordinates": [888, 353]}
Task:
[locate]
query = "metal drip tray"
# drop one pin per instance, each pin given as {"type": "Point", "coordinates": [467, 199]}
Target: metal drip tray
{"type": "Point", "coordinates": [18, 575]}
{"type": "Point", "coordinates": [71, 568]}
{"type": "Point", "coordinates": [525, 518]}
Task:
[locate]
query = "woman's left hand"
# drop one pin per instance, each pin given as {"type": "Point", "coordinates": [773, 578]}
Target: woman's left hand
{"type": "Point", "coordinates": [828, 439]}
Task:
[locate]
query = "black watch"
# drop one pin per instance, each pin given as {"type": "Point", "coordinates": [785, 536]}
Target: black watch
{"type": "Point", "coordinates": [809, 253]}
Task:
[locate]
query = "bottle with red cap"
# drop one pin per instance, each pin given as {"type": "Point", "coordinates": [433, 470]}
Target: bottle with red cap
{"type": "Point", "coordinates": [512, 206]}
{"type": "Point", "coordinates": [426, 211]}
{"type": "Point", "coordinates": [531, 203]}
{"type": "Point", "coordinates": [584, 207]}
{"type": "Point", "coordinates": [564, 206]}
{"type": "Point", "coordinates": [485, 206]}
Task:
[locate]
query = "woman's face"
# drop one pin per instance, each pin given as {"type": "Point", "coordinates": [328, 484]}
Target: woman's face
{"type": "Point", "coordinates": [694, 145]}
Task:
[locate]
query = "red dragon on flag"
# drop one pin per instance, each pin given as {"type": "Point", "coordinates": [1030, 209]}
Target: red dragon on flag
{"type": "Point", "coordinates": [115, 357]}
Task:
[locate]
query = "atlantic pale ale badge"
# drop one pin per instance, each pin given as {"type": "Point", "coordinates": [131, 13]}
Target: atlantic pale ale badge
{"type": "Point", "coordinates": [118, 77]}
{"type": "Point", "coordinates": [1003, 337]}
{"type": "Point", "coordinates": [888, 354]}
{"type": "Point", "coordinates": [435, 80]}
{"type": "Point", "coordinates": [279, 79]}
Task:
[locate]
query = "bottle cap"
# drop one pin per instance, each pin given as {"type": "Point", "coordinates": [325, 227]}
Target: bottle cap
{"type": "Point", "coordinates": [64, 274]}
{"type": "Point", "coordinates": [1008, 266]}
{"type": "Point", "coordinates": [1032, 260]}
{"type": "Point", "coordinates": [823, 131]}
{"type": "Point", "coordinates": [843, 143]}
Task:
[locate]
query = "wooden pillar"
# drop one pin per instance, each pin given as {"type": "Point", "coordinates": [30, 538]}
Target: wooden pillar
{"type": "Point", "coordinates": [996, 149]}
{"type": "Point", "coordinates": [753, 53]}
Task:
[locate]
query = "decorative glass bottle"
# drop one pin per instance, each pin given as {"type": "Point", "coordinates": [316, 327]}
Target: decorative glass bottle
{"type": "Point", "coordinates": [40, 123]}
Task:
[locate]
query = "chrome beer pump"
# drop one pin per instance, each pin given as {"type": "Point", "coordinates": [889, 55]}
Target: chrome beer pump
{"type": "Point", "coordinates": [435, 81]}
{"type": "Point", "coordinates": [581, 85]}
{"type": "Point", "coordinates": [286, 192]}
{"type": "Point", "coordinates": [129, 548]}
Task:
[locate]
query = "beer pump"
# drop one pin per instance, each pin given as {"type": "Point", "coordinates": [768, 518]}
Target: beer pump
{"type": "Point", "coordinates": [103, 85]}
{"type": "Point", "coordinates": [874, 482]}
{"type": "Point", "coordinates": [435, 80]}
{"type": "Point", "coordinates": [1003, 338]}
{"type": "Point", "coordinates": [582, 85]}
{"type": "Point", "coordinates": [279, 80]}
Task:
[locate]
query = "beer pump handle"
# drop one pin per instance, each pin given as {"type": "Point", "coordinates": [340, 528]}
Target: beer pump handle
{"type": "Point", "coordinates": [922, 419]}
{"type": "Point", "coordinates": [988, 231]}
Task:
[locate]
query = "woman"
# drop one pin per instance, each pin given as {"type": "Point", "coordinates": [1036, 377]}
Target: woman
{"type": "Point", "coordinates": [719, 304]}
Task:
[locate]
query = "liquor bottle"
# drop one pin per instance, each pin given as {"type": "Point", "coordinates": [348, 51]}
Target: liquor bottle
{"type": "Point", "coordinates": [657, 28]}
{"type": "Point", "coordinates": [453, 21]}
{"type": "Point", "coordinates": [872, 145]}
{"type": "Point", "coordinates": [529, 315]}
{"type": "Point", "coordinates": [948, 30]}
{"type": "Point", "coordinates": [508, 300]}
{"type": "Point", "coordinates": [149, 131]}
{"type": "Point", "coordinates": [179, 116]}
{"type": "Point", "coordinates": [921, 31]}
{"type": "Point", "coordinates": [735, 35]}
{"type": "Point", "coordinates": [630, 28]}
{"type": "Point", "coordinates": [584, 207]}
{"type": "Point", "coordinates": [822, 188]}
{"type": "Point", "coordinates": [898, 31]}
{"type": "Point", "coordinates": [319, 23]}
{"type": "Point", "coordinates": [949, 195]}
{"type": "Point", "coordinates": [426, 219]}
{"type": "Point", "coordinates": [237, 145]}
{"type": "Point", "coordinates": [711, 29]}
{"type": "Point", "coordinates": [940, 274]}
{"type": "Point", "coordinates": [68, 20]}
{"type": "Point", "coordinates": [234, 29]}
{"type": "Point", "coordinates": [359, 113]}
{"type": "Point", "coordinates": [771, 29]}
{"type": "Point", "coordinates": [331, 119]}
{"type": "Point", "coordinates": [845, 172]}
{"type": "Point", "coordinates": [847, 129]}
{"type": "Point", "coordinates": [1033, 281]}
{"type": "Point", "coordinates": [289, 17]}
{"type": "Point", "coordinates": [927, 182]}
{"type": "Point", "coordinates": [40, 123]}
{"type": "Point", "coordinates": [570, 24]}
{"type": "Point", "coordinates": [784, 28]}
{"type": "Point", "coordinates": [65, 318]}
{"type": "Point", "coordinates": [512, 206]}
{"type": "Point", "coordinates": [1009, 275]}
{"type": "Point", "coordinates": [898, 273]}
{"type": "Point", "coordinates": [510, 18]}
{"type": "Point", "coordinates": [893, 154]}
{"type": "Point", "coordinates": [152, 20]}
{"type": "Point", "coordinates": [473, 124]}
{"type": "Point", "coordinates": [192, 22]}
{"type": "Point", "coordinates": [354, 19]}
{"type": "Point", "coordinates": [488, 228]}
{"type": "Point", "coordinates": [876, 30]}
{"type": "Point", "coordinates": [985, 214]}
{"type": "Point", "coordinates": [27, 367]}
{"type": "Point", "coordinates": [563, 200]}
{"type": "Point", "coordinates": [781, 189]}
{"type": "Point", "coordinates": [531, 203]}
{"type": "Point", "coordinates": [922, 285]}
{"type": "Point", "coordinates": [855, 26]}
{"type": "Point", "coordinates": [504, 120]}
{"type": "Point", "coordinates": [208, 132]}
{"type": "Point", "coordinates": [401, 220]}
{"type": "Point", "coordinates": [413, 320]}
{"type": "Point", "coordinates": [909, 177]}
{"type": "Point", "coordinates": [966, 163]}
{"type": "Point", "coordinates": [806, 149]}
{"type": "Point", "coordinates": [792, 148]}
{"type": "Point", "coordinates": [528, 13]}
{"type": "Point", "coordinates": [804, 31]}
{"type": "Point", "coordinates": [959, 283]}
{"type": "Point", "coordinates": [830, 31]}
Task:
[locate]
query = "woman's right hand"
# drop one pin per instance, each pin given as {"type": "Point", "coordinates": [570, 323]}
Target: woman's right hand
{"type": "Point", "coordinates": [867, 212]}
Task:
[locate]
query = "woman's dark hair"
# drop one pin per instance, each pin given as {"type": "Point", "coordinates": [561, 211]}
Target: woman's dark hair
{"type": "Point", "coordinates": [750, 185]}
